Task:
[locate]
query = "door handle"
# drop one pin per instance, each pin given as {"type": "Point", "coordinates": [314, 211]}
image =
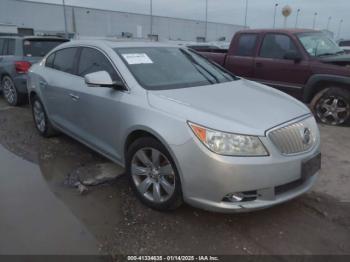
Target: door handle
{"type": "Point", "coordinates": [74, 97]}
{"type": "Point", "coordinates": [258, 64]}
{"type": "Point", "coordinates": [43, 84]}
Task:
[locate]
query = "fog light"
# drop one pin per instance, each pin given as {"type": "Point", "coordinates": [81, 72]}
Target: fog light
{"type": "Point", "coordinates": [235, 197]}
{"type": "Point", "coordinates": [241, 196]}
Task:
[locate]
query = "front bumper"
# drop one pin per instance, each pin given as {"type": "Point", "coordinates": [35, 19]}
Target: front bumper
{"type": "Point", "coordinates": [208, 177]}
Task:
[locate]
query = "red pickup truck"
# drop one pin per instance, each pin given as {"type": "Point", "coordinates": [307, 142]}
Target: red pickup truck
{"type": "Point", "coordinates": [306, 64]}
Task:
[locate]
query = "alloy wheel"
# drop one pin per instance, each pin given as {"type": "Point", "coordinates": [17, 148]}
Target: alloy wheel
{"type": "Point", "coordinates": [10, 92]}
{"type": "Point", "coordinates": [333, 110]}
{"type": "Point", "coordinates": [39, 116]}
{"type": "Point", "coordinates": [153, 175]}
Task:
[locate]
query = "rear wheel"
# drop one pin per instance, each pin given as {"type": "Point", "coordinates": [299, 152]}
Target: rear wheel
{"type": "Point", "coordinates": [153, 174]}
{"type": "Point", "coordinates": [10, 92]}
{"type": "Point", "coordinates": [332, 107]}
{"type": "Point", "coordinates": [41, 120]}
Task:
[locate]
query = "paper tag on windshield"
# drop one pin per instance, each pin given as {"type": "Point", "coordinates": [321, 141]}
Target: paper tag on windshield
{"type": "Point", "coordinates": [134, 59]}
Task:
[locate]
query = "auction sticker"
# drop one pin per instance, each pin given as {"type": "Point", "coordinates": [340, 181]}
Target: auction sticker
{"type": "Point", "coordinates": [135, 59]}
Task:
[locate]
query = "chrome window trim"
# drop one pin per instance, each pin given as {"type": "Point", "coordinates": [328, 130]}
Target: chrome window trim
{"type": "Point", "coordinates": [88, 46]}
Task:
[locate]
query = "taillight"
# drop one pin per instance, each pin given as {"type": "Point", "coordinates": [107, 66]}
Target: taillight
{"type": "Point", "coordinates": [22, 67]}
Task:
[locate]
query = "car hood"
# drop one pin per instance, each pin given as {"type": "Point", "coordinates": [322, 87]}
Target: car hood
{"type": "Point", "coordinates": [341, 60]}
{"type": "Point", "coordinates": [240, 106]}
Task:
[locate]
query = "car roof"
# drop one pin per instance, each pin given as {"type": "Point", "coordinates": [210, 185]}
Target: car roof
{"type": "Point", "coordinates": [117, 43]}
{"type": "Point", "coordinates": [285, 30]}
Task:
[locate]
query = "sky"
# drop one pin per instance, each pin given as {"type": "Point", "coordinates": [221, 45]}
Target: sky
{"type": "Point", "coordinates": [260, 12]}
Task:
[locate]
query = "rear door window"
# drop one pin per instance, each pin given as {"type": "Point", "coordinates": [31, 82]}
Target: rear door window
{"type": "Point", "coordinates": [344, 43]}
{"type": "Point", "coordinates": [2, 41]}
{"type": "Point", "coordinates": [39, 47]}
{"type": "Point", "coordinates": [276, 46]}
{"type": "Point", "coordinates": [65, 60]}
{"type": "Point", "coordinates": [246, 45]}
{"type": "Point", "coordinates": [92, 60]}
{"type": "Point", "coordinates": [50, 60]}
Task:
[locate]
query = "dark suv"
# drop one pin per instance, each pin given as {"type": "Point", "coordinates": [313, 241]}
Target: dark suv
{"type": "Point", "coordinates": [17, 54]}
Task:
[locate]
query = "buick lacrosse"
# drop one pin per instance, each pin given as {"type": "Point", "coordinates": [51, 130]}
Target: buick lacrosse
{"type": "Point", "coordinates": [184, 128]}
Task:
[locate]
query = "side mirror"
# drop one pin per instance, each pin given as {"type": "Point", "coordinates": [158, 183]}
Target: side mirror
{"type": "Point", "coordinates": [292, 55]}
{"type": "Point", "coordinates": [102, 79]}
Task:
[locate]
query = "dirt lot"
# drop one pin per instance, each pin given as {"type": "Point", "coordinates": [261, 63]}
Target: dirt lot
{"type": "Point", "coordinates": [316, 223]}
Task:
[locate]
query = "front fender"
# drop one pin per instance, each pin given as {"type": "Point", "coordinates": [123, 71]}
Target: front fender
{"type": "Point", "coordinates": [309, 89]}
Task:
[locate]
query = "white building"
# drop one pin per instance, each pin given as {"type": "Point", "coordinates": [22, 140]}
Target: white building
{"type": "Point", "coordinates": [87, 22]}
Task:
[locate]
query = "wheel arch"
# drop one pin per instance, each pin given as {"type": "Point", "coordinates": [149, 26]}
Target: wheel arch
{"type": "Point", "coordinates": [318, 83]}
{"type": "Point", "coordinates": [3, 74]}
{"type": "Point", "coordinates": [144, 131]}
{"type": "Point", "coordinates": [32, 94]}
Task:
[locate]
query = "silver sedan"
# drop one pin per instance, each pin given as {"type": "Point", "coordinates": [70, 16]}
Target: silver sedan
{"type": "Point", "coordinates": [185, 129]}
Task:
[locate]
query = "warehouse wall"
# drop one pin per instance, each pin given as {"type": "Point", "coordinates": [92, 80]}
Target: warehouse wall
{"type": "Point", "coordinates": [95, 22]}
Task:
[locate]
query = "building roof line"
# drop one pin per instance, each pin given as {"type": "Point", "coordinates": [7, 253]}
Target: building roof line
{"type": "Point", "coordinates": [124, 12]}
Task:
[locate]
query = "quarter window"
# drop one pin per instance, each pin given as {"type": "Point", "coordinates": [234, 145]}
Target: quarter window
{"type": "Point", "coordinates": [246, 45]}
{"type": "Point", "coordinates": [92, 61]}
{"type": "Point", "coordinates": [64, 60]}
{"type": "Point", "coordinates": [50, 60]}
{"type": "Point", "coordinates": [276, 46]}
{"type": "Point", "coordinates": [11, 47]}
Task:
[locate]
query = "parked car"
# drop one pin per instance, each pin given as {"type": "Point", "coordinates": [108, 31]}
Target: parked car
{"type": "Point", "coordinates": [345, 45]}
{"type": "Point", "coordinates": [184, 128]}
{"type": "Point", "coordinates": [304, 63]}
{"type": "Point", "coordinates": [17, 54]}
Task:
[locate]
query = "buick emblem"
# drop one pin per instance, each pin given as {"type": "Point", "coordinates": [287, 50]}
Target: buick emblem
{"type": "Point", "coordinates": [306, 136]}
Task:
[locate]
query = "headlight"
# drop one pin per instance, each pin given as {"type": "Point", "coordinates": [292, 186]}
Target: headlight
{"type": "Point", "coordinates": [228, 143]}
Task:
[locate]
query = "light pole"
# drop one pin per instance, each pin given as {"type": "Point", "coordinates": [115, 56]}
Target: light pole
{"type": "Point", "coordinates": [339, 28]}
{"type": "Point", "coordinates": [274, 16]}
{"type": "Point", "coordinates": [314, 22]}
{"type": "Point", "coordinates": [151, 17]}
{"type": "Point", "coordinates": [65, 19]}
{"type": "Point", "coordinates": [297, 17]}
{"type": "Point", "coordinates": [206, 20]}
{"type": "Point", "coordinates": [328, 22]}
{"type": "Point", "coordinates": [246, 13]}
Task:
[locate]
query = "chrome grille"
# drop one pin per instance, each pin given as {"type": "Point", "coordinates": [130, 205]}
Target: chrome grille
{"type": "Point", "coordinates": [295, 138]}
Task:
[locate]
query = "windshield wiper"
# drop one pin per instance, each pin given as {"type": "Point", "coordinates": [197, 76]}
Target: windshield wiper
{"type": "Point", "coordinates": [193, 60]}
{"type": "Point", "coordinates": [340, 52]}
{"type": "Point", "coordinates": [326, 54]}
{"type": "Point", "coordinates": [329, 54]}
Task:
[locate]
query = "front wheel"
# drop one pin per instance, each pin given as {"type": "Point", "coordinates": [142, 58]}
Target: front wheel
{"type": "Point", "coordinates": [332, 107]}
{"type": "Point", "coordinates": [40, 118]}
{"type": "Point", "coordinates": [153, 174]}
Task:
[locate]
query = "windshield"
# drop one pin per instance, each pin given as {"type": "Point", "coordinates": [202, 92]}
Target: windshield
{"type": "Point", "coordinates": [39, 47]}
{"type": "Point", "coordinates": [159, 68]}
{"type": "Point", "coordinates": [319, 44]}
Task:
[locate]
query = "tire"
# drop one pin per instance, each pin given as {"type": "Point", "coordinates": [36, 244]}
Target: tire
{"type": "Point", "coordinates": [41, 121]}
{"type": "Point", "coordinates": [155, 180]}
{"type": "Point", "coordinates": [10, 92]}
{"type": "Point", "coordinates": [332, 106]}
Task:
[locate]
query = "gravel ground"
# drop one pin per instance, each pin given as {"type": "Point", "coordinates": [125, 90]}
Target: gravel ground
{"type": "Point", "coordinates": [316, 223]}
